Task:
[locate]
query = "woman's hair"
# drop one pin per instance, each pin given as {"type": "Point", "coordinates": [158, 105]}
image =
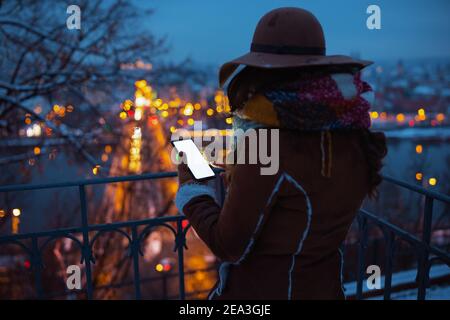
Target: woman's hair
{"type": "Point", "coordinates": [375, 149]}
{"type": "Point", "coordinates": [251, 81]}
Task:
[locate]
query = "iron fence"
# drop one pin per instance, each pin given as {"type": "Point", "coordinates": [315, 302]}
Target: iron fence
{"type": "Point", "coordinates": [427, 254]}
{"type": "Point", "coordinates": [134, 237]}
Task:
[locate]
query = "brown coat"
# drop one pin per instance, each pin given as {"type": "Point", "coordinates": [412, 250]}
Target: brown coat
{"type": "Point", "coordinates": [279, 235]}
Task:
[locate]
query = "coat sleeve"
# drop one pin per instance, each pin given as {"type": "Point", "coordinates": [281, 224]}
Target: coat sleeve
{"type": "Point", "coordinates": [231, 230]}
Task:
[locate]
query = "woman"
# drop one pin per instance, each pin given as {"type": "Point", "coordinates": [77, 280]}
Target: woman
{"type": "Point", "coordinates": [279, 235]}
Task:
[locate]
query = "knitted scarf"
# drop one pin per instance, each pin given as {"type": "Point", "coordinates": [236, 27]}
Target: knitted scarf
{"type": "Point", "coordinates": [320, 102]}
{"type": "Point", "coordinates": [314, 102]}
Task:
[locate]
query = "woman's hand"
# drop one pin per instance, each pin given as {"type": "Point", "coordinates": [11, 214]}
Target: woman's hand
{"type": "Point", "coordinates": [184, 175]}
{"type": "Point", "coordinates": [226, 174]}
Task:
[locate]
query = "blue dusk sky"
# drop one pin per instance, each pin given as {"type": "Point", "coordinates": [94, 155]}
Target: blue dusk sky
{"type": "Point", "coordinates": [214, 31]}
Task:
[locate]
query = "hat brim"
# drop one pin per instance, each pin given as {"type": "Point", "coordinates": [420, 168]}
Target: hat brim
{"type": "Point", "coordinates": [275, 61]}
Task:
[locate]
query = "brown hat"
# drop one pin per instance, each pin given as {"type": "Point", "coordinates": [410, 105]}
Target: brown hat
{"type": "Point", "coordinates": [286, 38]}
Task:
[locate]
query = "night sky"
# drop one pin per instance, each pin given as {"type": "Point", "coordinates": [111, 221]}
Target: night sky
{"type": "Point", "coordinates": [212, 32]}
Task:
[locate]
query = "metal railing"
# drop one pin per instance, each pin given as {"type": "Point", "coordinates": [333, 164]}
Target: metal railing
{"type": "Point", "coordinates": [134, 238]}
{"type": "Point", "coordinates": [427, 254]}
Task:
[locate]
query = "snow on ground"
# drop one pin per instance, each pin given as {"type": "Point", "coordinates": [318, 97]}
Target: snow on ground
{"type": "Point", "coordinates": [409, 276]}
{"type": "Point", "coordinates": [433, 293]}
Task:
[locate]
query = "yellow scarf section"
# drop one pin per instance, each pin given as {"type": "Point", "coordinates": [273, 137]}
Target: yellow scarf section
{"type": "Point", "coordinates": [260, 109]}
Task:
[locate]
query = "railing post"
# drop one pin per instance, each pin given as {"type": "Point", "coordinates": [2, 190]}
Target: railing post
{"type": "Point", "coordinates": [164, 286]}
{"type": "Point", "coordinates": [423, 270]}
{"type": "Point", "coordinates": [180, 247]}
{"type": "Point", "coordinates": [135, 253]}
{"type": "Point", "coordinates": [37, 266]}
{"type": "Point", "coordinates": [390, 243]}
{"type": "Point", "coordinates": [362, 225]}
{"type": "Point", "coordinates": [87, 254]}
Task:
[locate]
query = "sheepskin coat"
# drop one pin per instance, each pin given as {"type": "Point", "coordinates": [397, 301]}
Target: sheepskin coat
{"type": "Point", "coordinates": [279, 236]}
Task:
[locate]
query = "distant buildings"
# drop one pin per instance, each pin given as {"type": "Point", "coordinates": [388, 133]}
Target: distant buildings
{"type": "Point", "coordinates": [406, 88]}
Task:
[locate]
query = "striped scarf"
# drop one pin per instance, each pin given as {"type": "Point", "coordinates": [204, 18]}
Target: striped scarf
{"type": "Point", "coordinates": [314, 102]}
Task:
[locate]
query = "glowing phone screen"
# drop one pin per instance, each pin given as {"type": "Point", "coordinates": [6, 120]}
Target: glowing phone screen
{"type": "Point", "coordinates": [198, 165]}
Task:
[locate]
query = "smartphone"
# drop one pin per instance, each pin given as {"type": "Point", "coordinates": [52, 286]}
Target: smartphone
{"type": "Point", "coordinates": [197, 164]}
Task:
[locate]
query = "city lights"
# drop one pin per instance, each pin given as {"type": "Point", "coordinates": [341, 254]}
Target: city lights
{"type": "Point", "coordinates": [29, 132]}
{"type": "Point", "coordinates": [16, 212]}
{"type": "Point", "coordinates": [137, 133]}
{"type": "Point", "coordinates": [165, 265]}
{"type": "Point", "coordinates": [222, 102]}
{"type": "Point", "coordinates": [34, 131]}
{"type": "Point", "coordinates": [419, 149]}
{"type": "Point", "coordinates": [127, 105]}
{"type": "Point", "coordinates": [419, 176]}
{"type": "Point", "coordinates": [62, 112]}
{"type": "Point", "coordinates": [158, 103]}
{"type": "Point", "coordinates": [152, 121]}
{"type": "Point", "coordinates": [411, 119]}
{"type": "Point", "coordinates": [153, 246]}
{"type": "Point", "coordinates": [123, 115]}
{"type": "Point", "coordinates": [400, 117]}
{"type": "Point", "coordinates": [140, 101]}
{"type": "Point", "coordinates": [161, 111]}
{"type": "Point", "coordinates": [96, 169]}
{"type": "Point", "coordinates": [140, 84]}
{"type": "Point", "coordinates": [15, 222]}
{"type": "Point", "coordinates": [432, 181]}
{"type": "Point", "coordinates": [37, 109]}
{"type": "Point", "coordinates": [134, 164]}
{"type": "Point", "coordinates": [138, 114]}
{"type": "Point", "coordinates": [440, 117]}
{"type": "Point", "coordinates": [188, 109]}
{"type": "Point", "coordinates": [421, 115]}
